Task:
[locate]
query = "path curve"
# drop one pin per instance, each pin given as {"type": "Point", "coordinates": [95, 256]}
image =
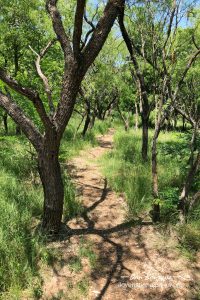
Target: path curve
{"type": "Point", "coordinates": [134, 262]}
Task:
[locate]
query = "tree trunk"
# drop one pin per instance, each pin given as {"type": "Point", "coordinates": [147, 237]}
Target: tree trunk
{"type": "Point", "coordinates": [18, 130]}
{"type": "Point", "coordinates": [145, 137]}
{"type": "Point", "coordinates": [50, 174]}
{"type": "Point", "coordinates": [87, 123]}
{"type": "Point", "coordinates": [5, 122]}
{"type": "Point", "coordinates": [183, 123]}
{"type": "Point", "coordinates": [154, 166]}
{"type": "Point", "coordinates": [182, 205]}
{"type": "Point", "coordinates": [87, 120]}
{"type": "Point", "coordinates": [92, 121]}
{"type": "Point", "coordinates": [156, 205]}
{"type": "Point", "coordinates": [175, 122]}
{"type": "Point", "coordinates": [136, 117]}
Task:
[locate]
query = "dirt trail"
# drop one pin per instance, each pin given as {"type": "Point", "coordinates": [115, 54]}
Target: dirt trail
{"type": "Point", "coordinates": [134, 261]}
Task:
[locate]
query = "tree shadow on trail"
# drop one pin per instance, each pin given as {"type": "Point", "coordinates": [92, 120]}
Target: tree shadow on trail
{"type": "Point", "coordinates": [112, 252]}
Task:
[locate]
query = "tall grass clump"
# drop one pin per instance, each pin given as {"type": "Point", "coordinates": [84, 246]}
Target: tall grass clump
{"type": "Point", "coordinates": [127, 173]}
{"type": "Point", "coordinates": [20, 205]}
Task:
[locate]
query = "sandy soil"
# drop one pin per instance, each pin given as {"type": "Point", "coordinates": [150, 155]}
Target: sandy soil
{"type": "Point", "coordinates": [134, 261]}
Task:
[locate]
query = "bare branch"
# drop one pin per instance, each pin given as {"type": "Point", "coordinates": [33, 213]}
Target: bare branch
{"type": "Point", "coordinates": [170, 23]}
{"type": "Point", "coordinates": [89, 31]}
{"type": "Point", "coordinates": [89, 22]}
{"type": "Point", "coordinates": [188, 66]}
{"type": "Point", "coordinates": [184, 114]}
{"type": "Point", "coordinates": [47, 86]}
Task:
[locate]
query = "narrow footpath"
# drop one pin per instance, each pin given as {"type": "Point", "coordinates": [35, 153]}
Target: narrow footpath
{"type": "Point", "coordinates": [133, 261]}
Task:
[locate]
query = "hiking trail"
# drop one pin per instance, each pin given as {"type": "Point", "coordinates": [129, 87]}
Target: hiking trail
{"type": "Point", "coordinates": [134, 261]}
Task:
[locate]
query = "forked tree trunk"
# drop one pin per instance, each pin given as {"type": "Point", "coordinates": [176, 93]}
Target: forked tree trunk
{"type": "Point", "coordinates": [145, 137]}
{"type": "Point", "coordinates": [50, 174]}
{"type": "Point", "coordinates": [76, 65]}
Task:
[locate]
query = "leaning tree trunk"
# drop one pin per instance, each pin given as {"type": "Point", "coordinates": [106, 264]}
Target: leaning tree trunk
{"type": "Point", "coordinates": [86, 125]}
{"type": "Point", "coordinates": [87, 120]}
{"type": "Point", "coordinates": [145, 137]}
{"type": "Point", "coordinates": [50, 174]}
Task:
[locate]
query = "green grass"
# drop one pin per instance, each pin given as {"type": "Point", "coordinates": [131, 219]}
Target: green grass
{"type": "Point", "coordinates": [86, 250]}
{"type": "Point", "coordinates": [21, 197]}
{"type": "Point", "coordinates": [21, 203]}
{"type": "Point", "coordinates": [127, 172]}
{"type": "Point", "coordinates": [20, 206]}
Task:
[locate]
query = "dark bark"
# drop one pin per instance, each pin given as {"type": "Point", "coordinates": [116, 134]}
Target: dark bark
{"type": "Point", "coordinates": [18, 130]}
{"type": "Point", "coordinates": [183, 124]}
{"type": "Point", "coordinates": [50, 174]}
{"type": "Point", "coordinates": [156, 212]}
{"type": "Point", "coordinates": [86, 125]}
{"type": "Point", "coordinates": [47, 143]}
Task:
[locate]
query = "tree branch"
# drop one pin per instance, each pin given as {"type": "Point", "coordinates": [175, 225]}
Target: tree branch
{"type": "Point", "coordinates": [51, 6]}
{"type": "Point", "coordinates": [138, 72]}
{"type": "Point", "coordinates": [188, 66]}
{"type": "Point", "coordinates": [101, 32]}
{"type": "Point", "coordinates": [47, 87]}
{"type": "Point", "coordinates": [194, 42]}
{"type": "Point", "coordinates": [75, 72]}
{"type": "Point", "coordinates": [170, 23]}
{"type": "Point", "coordinates": [30, 94]}
{"type": "Point", "coordinates": [89, 31]}
{"type": "Point", "coordinates": [78, 23]}
{"type": "Point", "coordinates": [20, 118]}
